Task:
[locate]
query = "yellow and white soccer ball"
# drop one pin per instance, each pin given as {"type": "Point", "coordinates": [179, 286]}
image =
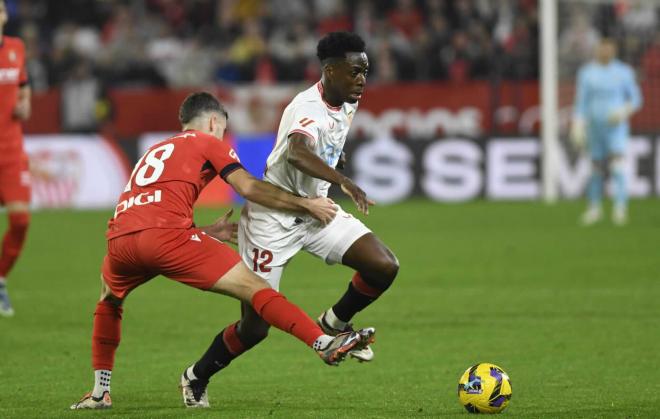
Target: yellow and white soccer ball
{"type": "Point", "coordinates": [484, 388]}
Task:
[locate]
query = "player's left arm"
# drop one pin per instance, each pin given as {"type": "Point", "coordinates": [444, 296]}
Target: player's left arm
{"type": "Point", "coordinates": [23, 107]}
{"type": "Point", "coordinates": [633, 92]}
{"type": "Point", "coordinates": [633, 98]}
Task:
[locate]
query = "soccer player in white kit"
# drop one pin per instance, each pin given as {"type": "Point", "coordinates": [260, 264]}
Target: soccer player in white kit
{"type": "Point", "coordinates": [309, 145]}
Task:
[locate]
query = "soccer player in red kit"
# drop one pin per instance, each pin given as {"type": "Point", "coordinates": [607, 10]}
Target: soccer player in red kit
{"type": "Point", "coordinates": [14, 174]}
{"type": "Point", "coordinates": [152, 233]}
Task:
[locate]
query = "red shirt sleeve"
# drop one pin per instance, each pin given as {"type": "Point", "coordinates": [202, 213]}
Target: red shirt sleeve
{"type": "Point", "coordinates": [223, 158]}
{"type": "Point", "coordinates": [23, 75]}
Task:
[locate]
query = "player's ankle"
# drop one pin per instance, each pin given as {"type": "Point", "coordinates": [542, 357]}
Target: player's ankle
{"type": "Point", "coordinates": [101, 382]}
{"type": "Point", "coordinates": [331, 319]}
{"type": "Point", "coordinates": [322, 342]}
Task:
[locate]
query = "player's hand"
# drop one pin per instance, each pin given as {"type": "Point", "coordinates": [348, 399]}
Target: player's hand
{"type": "Point", "coordinates": [22, 110]}
{"type": "Point", "coordinates": [619, 115]}
{"type": "Point", "coordinates": [323, 209]}
{"type": "Point", "coordinates": [578, 134]}
{"type": "Point", "coordinates": [342, 161]}
{"type": "Point", "coordinates": [223, 229]}
{"type": "Point", "coordinates": [357, 195]}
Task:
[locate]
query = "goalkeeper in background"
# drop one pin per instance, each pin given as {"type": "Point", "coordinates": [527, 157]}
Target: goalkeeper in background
{"type": "Point", "coordinates": [606, 96]}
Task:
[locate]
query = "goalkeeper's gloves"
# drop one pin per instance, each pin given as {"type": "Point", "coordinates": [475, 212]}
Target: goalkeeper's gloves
{"type": "Point", "coordinates": [578, 133]}
{"type": "Point", "coordinates": [620, 115]}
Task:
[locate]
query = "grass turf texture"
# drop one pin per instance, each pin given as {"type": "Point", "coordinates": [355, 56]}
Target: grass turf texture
{"type": "Point", "coordinates": [572, 315]}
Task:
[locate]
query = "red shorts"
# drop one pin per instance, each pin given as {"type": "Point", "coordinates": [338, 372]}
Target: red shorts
{"type": "Point", "coordinates": [187, 256]}
{"type": "Point", "coordinates": [15, 181]}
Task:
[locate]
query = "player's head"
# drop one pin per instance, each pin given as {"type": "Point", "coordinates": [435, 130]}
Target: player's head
{"type": "Point", "coordinates": [204, 112]}
{"type": "Point", "coordinates": [345, 66]}
{"type": "Point", "coordinates": [3, 15]}
{"type": "Point", "coordinates": [606, 50]}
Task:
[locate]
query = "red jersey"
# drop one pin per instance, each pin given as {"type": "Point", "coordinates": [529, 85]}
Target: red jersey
{"type": "Point", "coordinates": [13, 76]}
{"type": "Point", "coordinates": [167, 181]}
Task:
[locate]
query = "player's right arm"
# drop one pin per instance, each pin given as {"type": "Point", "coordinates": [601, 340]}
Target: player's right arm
{"type": "Point", "coordinates": [300, 155]}
{"type": "Point", "coordinates": [268, 195]}
{"type": "Point", "coordinates": [578, 133]}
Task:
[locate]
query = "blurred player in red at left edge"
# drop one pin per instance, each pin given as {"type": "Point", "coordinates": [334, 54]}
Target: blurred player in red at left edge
{"type": "Point", "coordinates": [14, 174]}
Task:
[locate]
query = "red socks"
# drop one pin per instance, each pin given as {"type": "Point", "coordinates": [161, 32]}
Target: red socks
{"type": "Point", "coordinates": [106, 335]}
{"type": "Point", "coordinates": [13, 241]}
{"type": "Point", "coordinates": [363, 288]}
{"type": "Point", "coordinates": [232, 341]}
{"type": "Point", "coordinates": [286, 316]}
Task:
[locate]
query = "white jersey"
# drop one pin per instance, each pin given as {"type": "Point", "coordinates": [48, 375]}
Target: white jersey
{"type": "Point", "coordinates": [325, 125]}
{"type": "Point", "coordinates": [267, 238]}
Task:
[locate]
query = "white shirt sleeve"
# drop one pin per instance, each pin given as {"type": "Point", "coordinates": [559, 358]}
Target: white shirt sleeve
{"type": "Point", "coordinates": [307, 120]}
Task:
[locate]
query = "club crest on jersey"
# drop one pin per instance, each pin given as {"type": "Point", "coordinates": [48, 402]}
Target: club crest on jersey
{"type": "Point", "coordinates": [233, 155]}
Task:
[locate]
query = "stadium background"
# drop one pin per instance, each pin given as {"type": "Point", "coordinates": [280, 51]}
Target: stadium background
{"type": "Point", "coordinates": [450, 114]}
{"type": "Point", "coordinates": [452, 110]}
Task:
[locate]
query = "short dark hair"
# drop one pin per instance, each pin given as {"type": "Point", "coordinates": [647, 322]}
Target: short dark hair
{"type": "Point", "coordinates": [198, 103]}
{"type": "Point", "coordinates": [337, 44]}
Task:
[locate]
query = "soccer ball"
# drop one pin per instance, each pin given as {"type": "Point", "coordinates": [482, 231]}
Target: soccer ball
{"type": "Point", "coordinates": [484, 388]}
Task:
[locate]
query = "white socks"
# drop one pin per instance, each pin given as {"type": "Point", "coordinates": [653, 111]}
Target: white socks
{"type": "Point", "coordinates": [332, 320]}
{"type": "Point", "coordinates": [322, 342]}
{"type": "Point", "coordinates": [101, 382]}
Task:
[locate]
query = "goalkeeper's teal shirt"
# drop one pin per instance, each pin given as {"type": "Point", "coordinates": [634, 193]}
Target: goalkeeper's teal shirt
{"type": "Point", "coordinates": [603, 89]}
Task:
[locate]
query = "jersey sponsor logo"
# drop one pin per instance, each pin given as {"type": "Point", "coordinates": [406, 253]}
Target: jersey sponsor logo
{"type": "Point", "coordinates": [12, 55]}
{"type": "Point", "coordinates": [195, 238]}
{"type": "Point", "coordinates": [9, 75]}
{"type": "Point", "coordinates": [143, 198]}
{"type": "Point", "coordinates": [305, 121]}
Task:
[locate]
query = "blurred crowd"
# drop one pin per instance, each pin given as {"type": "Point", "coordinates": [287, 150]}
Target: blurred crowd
{"type": "Point", "coordinates": [200, 42]}
{"type": "Point", "coordinates": [633, 24]}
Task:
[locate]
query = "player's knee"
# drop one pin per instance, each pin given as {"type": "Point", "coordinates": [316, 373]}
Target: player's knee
{"type": "Point", "coordinates": [386, 272]}
{"type": "Point", "coordinates": [19, 222]}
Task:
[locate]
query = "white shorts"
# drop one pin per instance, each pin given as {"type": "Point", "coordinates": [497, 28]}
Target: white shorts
{"type": "Point", "coordinates": [268, 239]}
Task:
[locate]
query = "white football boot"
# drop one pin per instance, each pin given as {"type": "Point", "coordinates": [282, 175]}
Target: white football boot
{"type": "Point", "coordinates": [90, 402]}
{"type": "Point", "coordinates": [362, 354]}
{"type": "Point", "coordinates": [619, 215]}
{"type": "Point", "coordinates": [6, 310]}
{"type": "Point", "coordinates": [342, 344]}
{"type": "Point", "coordinates": [194, 392]}
{"type": "Point", "coordinates": [591, 216]}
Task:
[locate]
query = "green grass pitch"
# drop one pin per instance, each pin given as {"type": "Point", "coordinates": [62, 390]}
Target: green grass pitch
{"type": "Point", "coordinates": [572, 314]}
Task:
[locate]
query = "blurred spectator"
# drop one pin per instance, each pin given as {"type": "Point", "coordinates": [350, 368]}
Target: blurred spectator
{"type": "Point", "coordinates": [292, 48]}
{"type": "Point", "coordinates": [336, 20]}
{"type": "Point", "coordinates": [577, 43]}
{"type": "Point", "coordinates": [149, 42]}
{"type": "Point", "coordinates": [406, 18]}
{"type": "Point", "coordinates": [80, 94]}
